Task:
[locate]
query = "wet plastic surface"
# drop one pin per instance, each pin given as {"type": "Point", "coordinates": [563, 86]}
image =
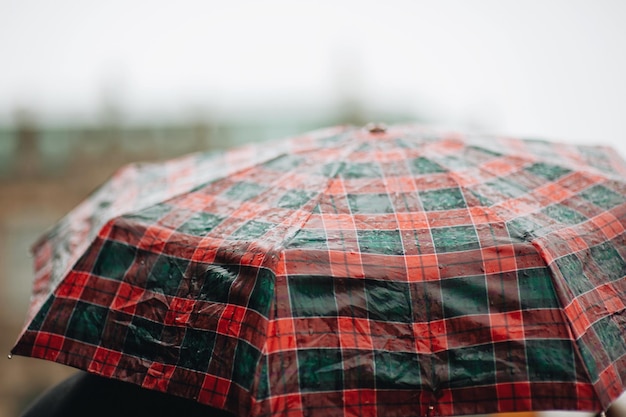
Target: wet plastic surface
{"type": "Point", "coordinates": [388, 272]}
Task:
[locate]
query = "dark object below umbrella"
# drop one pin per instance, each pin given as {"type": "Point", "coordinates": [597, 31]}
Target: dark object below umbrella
{"type": "Point", "coordinates": [90, 395]}
{"type": "Point", "coordinates": [349, 272]}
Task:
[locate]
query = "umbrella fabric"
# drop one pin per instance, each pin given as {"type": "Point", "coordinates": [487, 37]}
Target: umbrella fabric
{"type": "Point", "coordinates": [349, 272]}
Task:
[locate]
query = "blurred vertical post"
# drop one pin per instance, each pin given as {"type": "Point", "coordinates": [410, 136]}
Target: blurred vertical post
{"type": "Point", "coordinates": [28, 157]}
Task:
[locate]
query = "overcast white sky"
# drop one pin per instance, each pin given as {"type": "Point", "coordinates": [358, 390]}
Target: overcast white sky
{"type": "Point", "coordinates": [552, 68]}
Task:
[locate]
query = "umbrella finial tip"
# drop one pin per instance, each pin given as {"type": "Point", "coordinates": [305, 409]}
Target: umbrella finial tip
{"type": "Point", "coordinates": [376, 127]}
{"type": "Point", "coordinates": [10, 356]}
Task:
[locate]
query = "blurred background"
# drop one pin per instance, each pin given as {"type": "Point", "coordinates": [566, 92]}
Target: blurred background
{"type": "Point", "coordinates": [88, 86]}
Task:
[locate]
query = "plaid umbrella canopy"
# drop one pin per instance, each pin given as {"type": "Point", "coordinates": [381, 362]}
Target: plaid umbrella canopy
{"type": "Point", "coordinates": [396, 272]}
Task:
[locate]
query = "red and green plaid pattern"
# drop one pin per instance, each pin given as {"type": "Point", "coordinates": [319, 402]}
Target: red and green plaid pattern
{"type": "Point", "coordinates": [349, 273]}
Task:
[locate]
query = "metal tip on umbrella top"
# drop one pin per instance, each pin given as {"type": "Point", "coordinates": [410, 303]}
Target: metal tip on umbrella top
{"type": "Point", "coordinates": [376, 127]}
{"type": "Point", "coordinates": [10, 356]}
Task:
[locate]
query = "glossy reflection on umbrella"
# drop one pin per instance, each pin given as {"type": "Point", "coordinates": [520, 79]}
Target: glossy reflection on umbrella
{"type": "Point", "coordinates": [349, 272]}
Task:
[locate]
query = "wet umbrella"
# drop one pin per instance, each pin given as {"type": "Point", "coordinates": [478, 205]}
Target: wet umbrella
{"type": "Point", "coordinates": [396, 272]}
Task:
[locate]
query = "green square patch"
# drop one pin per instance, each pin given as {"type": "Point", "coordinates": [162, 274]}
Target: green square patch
{"type": "Point", "coordinates": [246, 359]}
{"type": "Point", "coordinates": [294, 199]}
{"type": "Point", "coordinates": [332, 169]}
{"type": "Point", "coordinates": [263, 388]}
{"type": "Point", "coordinates": [507, 187]}
{"type": "Point", "coordinates": [40, 317]}
{"type": "Point", "coordinates": [86, 323]}
{"type": "Point", "coordinates": [564, 214]}
{"type": "Point", "coordinates": [455, 162]}
{"type": "Point", "coordinates": [320, 370]}
{"type": "Point", "coordinates": [609, 260]}
{"type": "Point", "coordinates": [603, 197]}
{"type": "Point", "coordinates": [548, 171]}
{"type": "Point", "coordinates": [524, 228]}
{"type": "Point", "coordinates": [309, 238]}
{"type": "Point", "coordinates": [536, 289]}
{"type": "Point", "coordinates": [114, 260]}
{"type": "Point", "coordinates": [464, 296]}
{"type": "Point", "coordinates": [442, 199]}
{"type": "Point", "coordinates": [263, 293]}
{"type": "Point", "coordinates": [218, 280]}
{"type": "Point", "coordinates": [166, 274]}
{"type": "Point", "coordinates": [244, 191]}
{"type": "Point", "coordinates": [422, 165]}
{"type": "Point", "coordinates": [455, 239]}
{"type": "Point", "coordinates": [200, 224]}
{"type": "Point", "coordinates": [283, 163]}
{"type": "Point", "coordinates": [361, 170]}
{"type": "Point", "coordinates": [572, 270]}
{"type": "Point", "coordinates": [611, 337]}
{"type": "Point", "coordinates": [388, 301]}
{"type": "Point", "coordinates": [196, 349]}
{"type": "Point", "coordinates": [370, 203]}
{"type": "Point", "coordinates": [588, 360]}
{"type": "Point", "coordinates": [312, 296]}
{"type": "Point", "coordinates": [397, 370]}
{"type": "Point", "coordinates": [472, 366]}
{"type": "Point", "coordinates": [251, 230]}
{"type": "Point", "coordinates": [386, 242]}
{"type": "Point", "coordinates": [143, 338]}
{"type": "Point", "coordinates": [550, 360]}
